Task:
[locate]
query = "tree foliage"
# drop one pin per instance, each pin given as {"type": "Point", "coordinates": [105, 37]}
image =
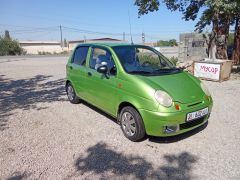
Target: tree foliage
{"type": "Point", "coordinates": [171, 42]}
{"type": "Point", "coordinates": [9, 46]}
{"type": "Point", "coordinates": [230, 39]}
{"type": "Point", "coordinates": [189, 9]}
{"type": "Point", "coordinates": [220, 13]}
{"type": "Point", "coordinates": [145, 6]}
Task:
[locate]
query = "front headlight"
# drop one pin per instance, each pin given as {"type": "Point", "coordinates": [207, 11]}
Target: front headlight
{"type": "Point", "coordinates": [205, 89]}
{"type": "Point", "coordinates": [163, 98]}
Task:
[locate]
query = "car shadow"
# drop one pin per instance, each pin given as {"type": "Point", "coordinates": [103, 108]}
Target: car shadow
{"type": "Point", "coordinates": [170, 139]}
{"type": "Point", "coordinates": [19, 176]}
{"type": "Point", "coordinates": [94, 108]}
{"type": "Point", "coordinates": [105, 162]}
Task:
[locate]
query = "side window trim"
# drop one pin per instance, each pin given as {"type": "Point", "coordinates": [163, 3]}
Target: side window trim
{"type": "Point", "coordinates": [99, 47]}
{"type": "Point", "coordinates": [72, 59]}
{"type": "Point", "coordinates": [91, 56]}
{"type": "Point", "coordinates": [102, 48]}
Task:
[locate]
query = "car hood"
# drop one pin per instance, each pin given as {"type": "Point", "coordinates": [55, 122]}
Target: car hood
{"type": "Point", "coordinates": [182, 87]}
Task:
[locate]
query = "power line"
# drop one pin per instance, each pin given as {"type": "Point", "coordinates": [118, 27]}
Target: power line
{"type": "Point", "coordinates": [91, 32]}
{"type": "Point", "coordinates": [52, 28]}
{"type": "Point", "coordinates": [56, 27]}
{"type": "Point", "coordinates": [42, 34]}
{"type": "Point", "coordinates": [67, 29]}
{"type": "Point", "coordinates": [10, 25]}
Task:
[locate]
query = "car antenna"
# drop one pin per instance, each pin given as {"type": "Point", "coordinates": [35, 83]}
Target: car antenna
{"type": "Point", "coordinates": [130, 27]}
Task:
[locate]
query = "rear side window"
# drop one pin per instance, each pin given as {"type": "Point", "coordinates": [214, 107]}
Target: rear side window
{"type": "Point", "coordinates": [80, 55]}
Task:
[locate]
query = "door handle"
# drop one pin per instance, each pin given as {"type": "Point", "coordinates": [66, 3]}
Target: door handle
{"type": "Point", "coordinates": [89, 74]}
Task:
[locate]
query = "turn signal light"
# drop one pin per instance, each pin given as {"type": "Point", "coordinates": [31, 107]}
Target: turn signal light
{"type": "Point", "coordinates": [177, 106]}
{"type": "Point", "coordinates": [207, 98]}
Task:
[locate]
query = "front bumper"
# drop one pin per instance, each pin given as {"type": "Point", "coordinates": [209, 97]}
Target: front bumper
{"type": "Point", "coordinates": [156, 122]}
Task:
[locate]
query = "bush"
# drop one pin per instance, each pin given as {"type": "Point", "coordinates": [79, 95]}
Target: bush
{"type": "Point", "coordinates": [64, 52]}
{"type": "Point", "coordinates": [144, 57]}
{"type": "Point", "coordinates": [43, 53]}
{"type": "Point", "coordinates": [154, 59]}
{"type": "Point", "coordinates": [9, 46]}
{"type": "Point", "coordinates": [174, 60]}
{"type": "Point", "coordinates": [171, 42]}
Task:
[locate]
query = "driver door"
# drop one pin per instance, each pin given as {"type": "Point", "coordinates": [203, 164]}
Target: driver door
{"type": "Point", "coordinates": [101, 89]}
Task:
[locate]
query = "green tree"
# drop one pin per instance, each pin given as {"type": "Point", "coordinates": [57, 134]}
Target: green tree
{"type": "Point", "coordinates": [220, 13]}
{"type": "Point", "coordinates": [230, 39]}
{"type": "Point", "coordinates": [236, 49]}
{"type": "Point", "coordinates": [9, 46]}
{"type": "Point", "coordinates": [145, 6]}
{"type": "Point", "coordinates": [171, 42]}
{"type": "Point", "coordinates": [7, 35]}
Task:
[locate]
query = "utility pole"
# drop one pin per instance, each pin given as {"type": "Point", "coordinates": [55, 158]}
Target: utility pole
{"type": "Point", "coordinates": [123, 36]}
{"type": "Point", "coordinates": [143, 37]}
{"type": "Point", "coordinates": [61, 36]}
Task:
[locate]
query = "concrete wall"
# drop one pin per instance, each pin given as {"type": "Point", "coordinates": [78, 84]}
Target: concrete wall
{"type": "Point", "coordinates": [192, 47]}
{"type": "Point", "coordinates": [168, 51]}
{"type": "Point", "coordinates": [34, 49]}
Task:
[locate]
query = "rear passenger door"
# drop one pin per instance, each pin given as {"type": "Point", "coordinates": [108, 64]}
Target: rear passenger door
{"type": "Point", "coordinates": [77, 70]}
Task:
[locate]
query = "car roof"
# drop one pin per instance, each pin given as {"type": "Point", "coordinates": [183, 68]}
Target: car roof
{"type": "Point", "coordinates": [108, 44]}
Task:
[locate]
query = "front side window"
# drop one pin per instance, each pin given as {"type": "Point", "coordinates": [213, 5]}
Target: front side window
{"type": "Point", "coordinates": [143, 60]}
{"type": "Point", "coordinates": [80, 56]}
{"type": "Point", "coordinates": [102, 57]}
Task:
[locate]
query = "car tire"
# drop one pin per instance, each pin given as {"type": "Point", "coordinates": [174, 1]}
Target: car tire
{"type": "Point", "coordinates": [131, 124]}
{"type": "Point", "coordinates": [72, 97]}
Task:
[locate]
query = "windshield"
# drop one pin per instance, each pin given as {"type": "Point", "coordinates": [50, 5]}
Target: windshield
{"type": "Point", "coordinates": [143, 60]}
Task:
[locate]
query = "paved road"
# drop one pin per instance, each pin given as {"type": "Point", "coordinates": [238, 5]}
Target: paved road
{"type": "Point", "coordinates": [43, 136]}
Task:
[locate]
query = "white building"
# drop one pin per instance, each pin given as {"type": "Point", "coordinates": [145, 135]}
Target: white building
{"type": "Point", "coordinates": [36, 47]}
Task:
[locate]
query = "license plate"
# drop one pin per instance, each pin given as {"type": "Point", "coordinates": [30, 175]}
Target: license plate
{"type": "Point", "coordinates": [197, 114]}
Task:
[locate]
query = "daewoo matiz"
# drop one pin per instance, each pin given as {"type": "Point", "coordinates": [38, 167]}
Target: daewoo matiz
{"type": "Point", "coordinates": [138, 86]}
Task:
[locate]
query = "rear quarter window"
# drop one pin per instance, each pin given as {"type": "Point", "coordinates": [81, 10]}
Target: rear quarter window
{"type": "Point", "coordinates": [80, 56]}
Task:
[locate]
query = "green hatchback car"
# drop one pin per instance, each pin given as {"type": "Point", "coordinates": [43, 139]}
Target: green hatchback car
{"type": "Point", "coordinates": [139, 87]}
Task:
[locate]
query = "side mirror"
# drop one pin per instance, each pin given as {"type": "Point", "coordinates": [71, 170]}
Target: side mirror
{"type": "Point", "coordinates": [163, 63]}
{"type": "Point", "coordinates": [102, 69]}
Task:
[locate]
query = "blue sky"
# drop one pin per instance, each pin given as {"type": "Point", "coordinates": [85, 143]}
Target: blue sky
{"type": "Point", "coordinates": [40, 20]}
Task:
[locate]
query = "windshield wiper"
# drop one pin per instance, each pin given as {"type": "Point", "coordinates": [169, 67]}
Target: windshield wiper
{"type": "Point", "coordinates": [139, 72]}
{"type": "Point", "coordinates": [168, 71]}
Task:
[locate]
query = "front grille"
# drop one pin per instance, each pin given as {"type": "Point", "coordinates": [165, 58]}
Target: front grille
{"type": "Point", "coordinates": [194, 104]}
{"type": "Point", "coordinates": [191, 123]}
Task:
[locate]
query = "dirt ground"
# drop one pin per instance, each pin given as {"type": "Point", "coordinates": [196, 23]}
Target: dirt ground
{"type": "Point", "coordinates": [43, 136]}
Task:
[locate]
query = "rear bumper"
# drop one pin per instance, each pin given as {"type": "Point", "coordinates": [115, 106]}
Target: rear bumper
{"type": "Point", "coordinates": [156, 122]}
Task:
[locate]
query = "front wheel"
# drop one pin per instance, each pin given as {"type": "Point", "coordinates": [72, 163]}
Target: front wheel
{"type": "Point", "coordinates": [72, 97]}
{"type": "Point", "coordinates": [131, 124]}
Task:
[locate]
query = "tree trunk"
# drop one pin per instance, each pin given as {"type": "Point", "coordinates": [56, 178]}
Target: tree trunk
{"type": "Point", "coordinates": [212, 38]}
{"type": "Point", "coordinates": [222, 38]}
{"type": "Point", "coordinates": [236, 47]}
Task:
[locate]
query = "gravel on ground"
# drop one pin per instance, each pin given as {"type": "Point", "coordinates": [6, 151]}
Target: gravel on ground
{"type": "Point", "coordinates": [43, 136]}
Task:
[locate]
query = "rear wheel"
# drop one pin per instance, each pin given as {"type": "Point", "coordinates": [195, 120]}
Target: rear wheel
{"type": "Point", "coordinates": [72, 97]}
{"type": "Point", "coordinates": [131, 124]}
